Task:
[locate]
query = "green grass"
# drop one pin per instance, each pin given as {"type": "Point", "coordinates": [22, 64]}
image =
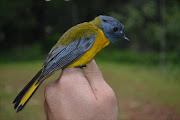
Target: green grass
{"type": "Point", "coordinates": [146, 82]}
{"type": "Point", "coordinates": [130, 82]}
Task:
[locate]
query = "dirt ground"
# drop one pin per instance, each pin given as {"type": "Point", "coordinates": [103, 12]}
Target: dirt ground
{"type": "Point", "coordinates": [134, 109]}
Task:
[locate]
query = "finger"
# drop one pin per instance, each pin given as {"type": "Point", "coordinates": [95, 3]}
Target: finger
{"type": "Point", "coordinates": [93, 74]}
{"type": "Point", "coordinates": [73, 83]}
{"type": "Point", "coordinates": [71, 70]}
{"type": "Point", "coordinates": [95, 78]}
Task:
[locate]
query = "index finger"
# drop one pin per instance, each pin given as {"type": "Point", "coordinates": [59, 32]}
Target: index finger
{"type": "Point", "coordinates": [96, 80]}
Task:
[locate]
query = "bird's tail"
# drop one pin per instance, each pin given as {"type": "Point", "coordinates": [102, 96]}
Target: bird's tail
{"type": "Point", "coordinates": [27, 92]}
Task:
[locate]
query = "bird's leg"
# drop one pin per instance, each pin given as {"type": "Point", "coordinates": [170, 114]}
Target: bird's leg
{"type": "Point", "coordinates": [81, 67]}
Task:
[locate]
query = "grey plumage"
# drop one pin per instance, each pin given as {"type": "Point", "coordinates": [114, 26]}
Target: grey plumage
{"type": "Point", "coordinates": [65, 55]}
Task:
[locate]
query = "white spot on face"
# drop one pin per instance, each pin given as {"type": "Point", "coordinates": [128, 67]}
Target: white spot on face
{"type": "Point", "coordinates": [121, 32]}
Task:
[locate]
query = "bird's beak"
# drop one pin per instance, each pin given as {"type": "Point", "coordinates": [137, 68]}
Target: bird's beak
{"type": "Point", "coordinates": [125, 38]}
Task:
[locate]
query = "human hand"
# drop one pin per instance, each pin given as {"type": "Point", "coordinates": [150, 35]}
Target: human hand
{"type": "Point", "coordinates": [80, 95]}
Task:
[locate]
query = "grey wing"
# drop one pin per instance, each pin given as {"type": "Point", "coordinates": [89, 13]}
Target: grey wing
{"type": "Point", "coordinates": [65, 55]}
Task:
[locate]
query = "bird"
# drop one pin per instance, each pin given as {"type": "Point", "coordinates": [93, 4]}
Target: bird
{"type": "Point", "coordinates": [75, 48]}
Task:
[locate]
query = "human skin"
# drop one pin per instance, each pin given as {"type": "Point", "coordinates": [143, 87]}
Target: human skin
{"type": "Point", "coordinates": [80, 95]}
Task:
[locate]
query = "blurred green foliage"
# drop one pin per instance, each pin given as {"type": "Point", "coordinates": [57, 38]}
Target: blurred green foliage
{"type": "Point", "coordinates": [29, 29]}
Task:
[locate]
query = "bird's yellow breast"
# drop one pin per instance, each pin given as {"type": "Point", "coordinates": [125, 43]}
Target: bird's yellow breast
{"type": "Point", "coordinates": [100, 42]}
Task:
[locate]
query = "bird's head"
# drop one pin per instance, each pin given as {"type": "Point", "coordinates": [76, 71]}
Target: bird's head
{"type": "Point", "coordinates": [112, 28]}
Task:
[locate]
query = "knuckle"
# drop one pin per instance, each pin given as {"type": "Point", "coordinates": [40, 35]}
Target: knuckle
{"type": "Point", "coordinates": [110, 96]}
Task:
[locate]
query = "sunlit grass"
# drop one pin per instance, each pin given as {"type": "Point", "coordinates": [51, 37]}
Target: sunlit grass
{"type": "Point", "coordinates": [144, 83]}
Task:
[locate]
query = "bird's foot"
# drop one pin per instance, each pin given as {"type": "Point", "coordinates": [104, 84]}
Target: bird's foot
{"type": "Point", "coordinates": [81, 67]}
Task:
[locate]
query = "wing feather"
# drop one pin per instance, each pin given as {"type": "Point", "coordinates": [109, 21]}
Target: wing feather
{"type": "Point", "coordinates": [65, 55]}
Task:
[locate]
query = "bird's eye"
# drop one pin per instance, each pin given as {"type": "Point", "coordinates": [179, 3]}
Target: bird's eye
{"type": "Point", "coordinates": [104, 20]}
{"type": "Point", "coordinates": [115, 29]}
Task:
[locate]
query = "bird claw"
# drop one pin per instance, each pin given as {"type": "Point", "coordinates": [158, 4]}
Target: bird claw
{"type": "Point", "coordinates": [82, 67]}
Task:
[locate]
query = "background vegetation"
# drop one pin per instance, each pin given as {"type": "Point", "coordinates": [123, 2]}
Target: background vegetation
{"type": "Point", "coordinates": [143, 73]}
{"type": "Point", "coordinates": [28, 29]}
